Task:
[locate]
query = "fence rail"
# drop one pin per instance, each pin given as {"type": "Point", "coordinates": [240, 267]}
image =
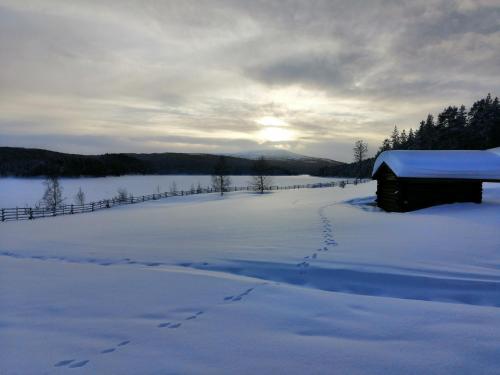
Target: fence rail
{"type": "Point", "coordinates": [30, 213]}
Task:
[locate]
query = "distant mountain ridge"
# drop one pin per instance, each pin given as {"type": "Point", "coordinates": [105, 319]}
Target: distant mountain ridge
{"type": "Point", "coordinates": [28, 162]}
{"type": "Point", "coordinates": [275, 154]}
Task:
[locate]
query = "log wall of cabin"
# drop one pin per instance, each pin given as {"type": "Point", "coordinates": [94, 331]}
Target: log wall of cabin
{"type": "Point", "coordinates": [407, 194]}
{"type": "Point", "coordinates": [389, 191]}
{"type": "Point", "coordinates": [424, 193]}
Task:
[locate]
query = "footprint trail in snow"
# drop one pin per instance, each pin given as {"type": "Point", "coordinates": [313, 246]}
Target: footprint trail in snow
{"type": "Point", "coordinates": [328, 241]}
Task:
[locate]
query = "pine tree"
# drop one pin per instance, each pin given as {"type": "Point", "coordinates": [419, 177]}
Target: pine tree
{"type": "Point", "coordinates": [386, 146]}
{"type": "Point", "coordinates": [395, 140]}
{"type": "Point", "coordinates": [455, 128]}
{"type": "Point", "coordinates": [403, 139]}
{"type": "Point", "coordinates": [411, 140]}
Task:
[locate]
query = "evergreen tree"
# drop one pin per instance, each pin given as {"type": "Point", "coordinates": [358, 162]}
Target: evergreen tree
{"type": "Point", "coordinates": [453, 129]}
{"type": "Point", "coordinates": [403, 140]}
{"type": "Point", "coordinates": [386, 146]}
{"type": "Point", "coordinates": [395, 140]}
{"type": "Point", "coordinates": [411, 140]}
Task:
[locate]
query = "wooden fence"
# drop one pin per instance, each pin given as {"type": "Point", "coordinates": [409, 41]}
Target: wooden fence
{"type": "Point", "coordinates": [30, 213]}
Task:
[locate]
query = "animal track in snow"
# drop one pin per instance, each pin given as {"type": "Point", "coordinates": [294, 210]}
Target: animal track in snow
{"type": "Point", "coordinates": [79, 364]}
{"type": "Point", "coordinates": [64, 362]}
{"type": "Point", "coordinates": [73, 363]}
{"type": "Point", "coordinates": [328, 240]}
{"type": "Point", "coordinates": [240, 296]}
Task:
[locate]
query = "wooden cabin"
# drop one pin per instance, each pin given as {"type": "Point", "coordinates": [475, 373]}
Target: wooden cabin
{"type": "Point", "coordinates": [410, 180]}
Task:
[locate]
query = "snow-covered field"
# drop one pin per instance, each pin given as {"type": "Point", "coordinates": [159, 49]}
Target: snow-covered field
{"type": "Point", "coordinates": [20, 192]}
{"type": "Point", "coordinates": [312, 281]}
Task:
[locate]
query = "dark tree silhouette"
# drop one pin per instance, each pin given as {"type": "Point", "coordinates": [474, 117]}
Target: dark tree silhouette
{"type": "Point", "coordinates": [52, 197]}
{"type": "Point", "coordinates": [80, 197]}
{"type": "Point", "coordinates": [261, 181]}
{"type": "Point", "coordinates": [360, 149]}
{"type": "Point", "coordinates": [453, 129]}
{"type": "Point", "coordinates": [220, 177]}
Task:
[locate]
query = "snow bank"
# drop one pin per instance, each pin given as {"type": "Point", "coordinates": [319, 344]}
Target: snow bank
{"type": "Point", "coordinates": [482, 165]}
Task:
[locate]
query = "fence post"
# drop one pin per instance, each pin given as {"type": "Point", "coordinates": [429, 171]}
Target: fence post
{"type": "Point", "coordinates": [71, 210]}
{"type": "Point", "coordinates": [31, 213]}
{"type": "Point", "coordinates": [3, 214]}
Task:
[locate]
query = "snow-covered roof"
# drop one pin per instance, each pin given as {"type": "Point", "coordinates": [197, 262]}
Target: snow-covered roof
{"type": "Point", "coordinates": [466, 164]}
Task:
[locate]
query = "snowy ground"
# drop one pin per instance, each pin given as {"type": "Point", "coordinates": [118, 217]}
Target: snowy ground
{"type": "Point", "coordinates": [313, 281]}
{"type": "Point", "coordinates": [20, 192]}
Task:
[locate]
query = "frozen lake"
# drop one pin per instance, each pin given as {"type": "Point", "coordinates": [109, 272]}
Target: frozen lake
{"type": "Point", "coordinates": [20, 192]}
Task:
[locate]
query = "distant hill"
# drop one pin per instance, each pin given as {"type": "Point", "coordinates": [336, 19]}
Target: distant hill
{"type": "Point", "coordinates": [349, 169]}
{"type": "Point", "coordinates": [274, 155]}
{"type": "Point", "coordinates": [26, 162]}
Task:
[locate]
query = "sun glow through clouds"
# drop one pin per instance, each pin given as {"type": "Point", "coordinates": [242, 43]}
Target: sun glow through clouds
{"type": "Point", "coordinates": [271, 121]}
{"type": "Point", "coordinates": [274, 130]}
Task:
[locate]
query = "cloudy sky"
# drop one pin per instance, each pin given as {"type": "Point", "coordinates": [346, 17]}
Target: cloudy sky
{"type": "Point", "coordinates": [226, 76]}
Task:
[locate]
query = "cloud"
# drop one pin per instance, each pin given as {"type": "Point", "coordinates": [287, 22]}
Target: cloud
{"type": "Point", "coordinates": [93, 76]}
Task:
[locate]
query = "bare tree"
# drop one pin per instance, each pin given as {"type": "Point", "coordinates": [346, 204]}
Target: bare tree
{"type": "Point", "coordinates": [220, 179]}
{"type": "Point", "coordinates": [360, 149]}
{"type": "Point", "coordinates": [80, 197]}
{"type": "Point", "coordinates": [261, 181]}
{"type": "Point", "coordinates": [173, 188]}
{"type": "Point", "coordinates": [122, 195]}
{"type": "Point", "coordinates": [52, 197]}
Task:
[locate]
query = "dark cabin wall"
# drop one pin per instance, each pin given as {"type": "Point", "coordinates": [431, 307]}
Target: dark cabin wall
{"type": "Point", "coordinates": [407, 194]}
{"type": "Point", "coordinates": [388, 190]}
{"type": "Point", "coordinates": [425, 193]}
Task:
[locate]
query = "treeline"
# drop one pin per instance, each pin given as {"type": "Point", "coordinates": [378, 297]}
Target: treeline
{"type": "Point", "coordinates": [455, 128]}
{"type": "Point", "coordinates": [354, 170]}
{"type": "Point", "coordinates": [22, 162]}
